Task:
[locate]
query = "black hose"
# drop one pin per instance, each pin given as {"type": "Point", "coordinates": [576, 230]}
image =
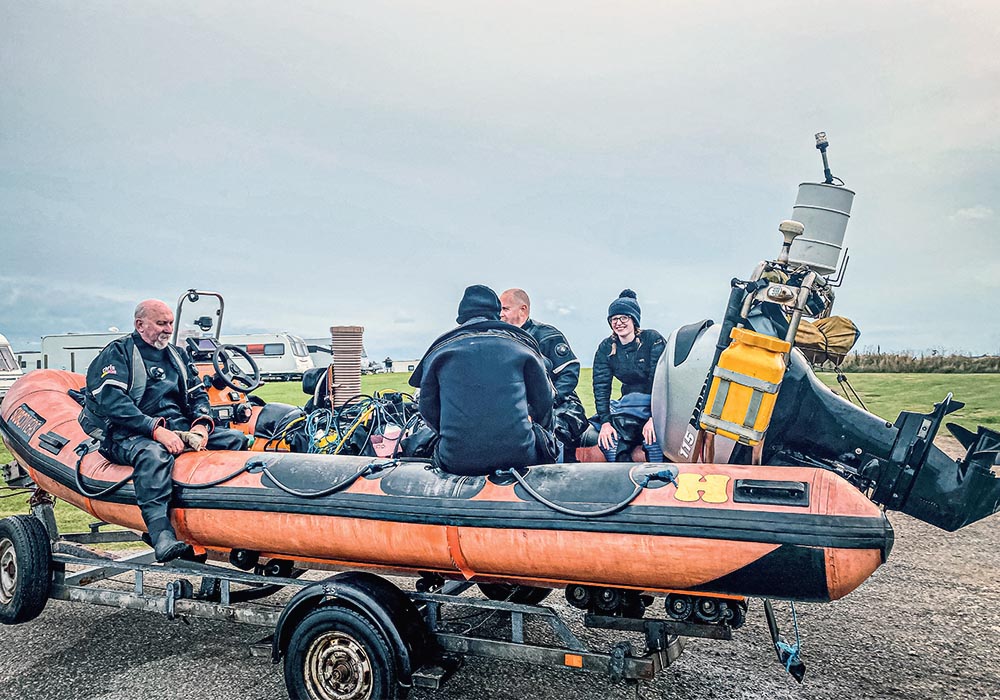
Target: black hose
{"type": "Point", "coordinates": [79, 477]}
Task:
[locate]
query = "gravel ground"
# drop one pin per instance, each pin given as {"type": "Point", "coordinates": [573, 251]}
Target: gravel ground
{"type": "Point", "coordinates": [926, 626]}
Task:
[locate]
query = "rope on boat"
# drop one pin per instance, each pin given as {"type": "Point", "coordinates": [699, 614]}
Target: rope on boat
{"type": "Point", "coordinates": [16, 491]}
{"type": "Point", "coordinates": [663, 475]}
{"type": "Point", "coordinates": [216, 482]}
{"type": "Point", "coordinates": [370, 468]}
{"type": "Point", "coordinates": [845, 386]}
{"type": "Point", "coordinates": [791, 649]}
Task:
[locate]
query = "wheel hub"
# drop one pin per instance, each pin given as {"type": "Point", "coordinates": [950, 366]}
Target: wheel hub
{"type": "Point", "coordinates": [8, 571]}
{"type": "Point", "coordinates": [338, 668]}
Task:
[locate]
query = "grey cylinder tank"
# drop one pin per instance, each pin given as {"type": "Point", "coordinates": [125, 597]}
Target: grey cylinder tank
{"type": "Point", "coordinates": [824, 211]}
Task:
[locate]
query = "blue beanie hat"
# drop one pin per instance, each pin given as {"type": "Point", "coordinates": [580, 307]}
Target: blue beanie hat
{"type": "Point", "coordinates": [625, 305]}
{"type": "Point", "coordinates": [478, 300]}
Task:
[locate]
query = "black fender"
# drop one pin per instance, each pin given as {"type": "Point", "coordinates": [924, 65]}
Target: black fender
{"type": "Point", "coordinates": [383, 604]}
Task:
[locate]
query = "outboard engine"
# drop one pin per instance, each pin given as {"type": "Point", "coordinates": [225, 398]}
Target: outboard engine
{"type": "Point", "coordinates": [896, 464]}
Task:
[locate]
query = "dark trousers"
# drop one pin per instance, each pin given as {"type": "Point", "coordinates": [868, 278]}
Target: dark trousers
{"type": "Point", "coordinates": [153, 467]}
{"type": "Point", "coordinates": [570, 423]}
{"type": "Point", "coordinates": [629, 429]}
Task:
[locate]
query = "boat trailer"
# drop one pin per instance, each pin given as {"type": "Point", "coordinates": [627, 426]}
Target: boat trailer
{"type": "Point", "coordinates": [353, 634]}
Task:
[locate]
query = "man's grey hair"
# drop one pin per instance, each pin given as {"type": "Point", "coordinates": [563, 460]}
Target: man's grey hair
{"type": "Point", "coordinates": [144, 307]}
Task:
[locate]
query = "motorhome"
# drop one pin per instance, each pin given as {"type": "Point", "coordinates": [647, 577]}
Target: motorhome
{"type": "Point", "coordinates": [10, 370]}
{"type": "Point", "coordinates": [280, 356]}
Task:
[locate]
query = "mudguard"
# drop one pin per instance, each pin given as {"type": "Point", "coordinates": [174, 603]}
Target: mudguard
{"type": "Point", "coordinates": [382, 603]}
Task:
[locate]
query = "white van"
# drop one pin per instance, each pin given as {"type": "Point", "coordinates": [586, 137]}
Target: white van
{"type": "Point", "coordinates": [280, 356]}
{"type": "Point", "coordinates": [10, 370]}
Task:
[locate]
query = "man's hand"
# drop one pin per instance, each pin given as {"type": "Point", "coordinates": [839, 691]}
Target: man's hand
{"type": "Point", "coordinates": [169, 439]}
{"type": "Point", "coordinates": [608, 437]}
{"type": "Point", "coordinates": [648, 434]}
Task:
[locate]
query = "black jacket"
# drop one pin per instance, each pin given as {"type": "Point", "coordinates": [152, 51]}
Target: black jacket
{"type": "Point", "coordinates": [562, 363]}
{"type": "Point", "coordinates": [633, 365]}
{"type": "Point", "coordinates": [111, 380]}
{"type": "Point", "coordinates": [479, 384]}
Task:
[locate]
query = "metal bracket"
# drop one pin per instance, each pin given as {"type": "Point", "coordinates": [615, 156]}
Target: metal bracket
{"type": "Point", "coordinates": [616, 664]}
{"type": "Point", "coordinates": [176, 590]}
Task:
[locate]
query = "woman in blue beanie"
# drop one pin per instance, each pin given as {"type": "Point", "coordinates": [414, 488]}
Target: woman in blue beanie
{"type": "Point", "coordinates": [629, 354]}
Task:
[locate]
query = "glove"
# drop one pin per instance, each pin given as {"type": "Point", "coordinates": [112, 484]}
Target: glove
{"type": "Point", "coordinates": [192, 440]}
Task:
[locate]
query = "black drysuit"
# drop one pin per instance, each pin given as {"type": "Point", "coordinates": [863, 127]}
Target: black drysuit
{"type": "Point", "coordinates": [634, 365]}
{"type": "Point", "coordinates": [173, 398]}
{"type": "Point", "coordinates": [485, 392]}
{"type": "Point", "coordinates": [564, 371]}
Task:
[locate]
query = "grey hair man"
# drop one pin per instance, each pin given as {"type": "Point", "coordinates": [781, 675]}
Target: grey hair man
{"type": "Point", "coordinates": [561, 363]}
{"type": "Point", "coordinates": [144, 390]}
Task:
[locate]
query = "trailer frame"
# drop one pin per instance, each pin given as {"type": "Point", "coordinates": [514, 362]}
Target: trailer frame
{"type": "Point", "coordinates": [79, 574]}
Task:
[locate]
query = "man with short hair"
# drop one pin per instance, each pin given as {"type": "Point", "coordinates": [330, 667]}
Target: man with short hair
{"type": "Point", "coordinates": [562, 364]}
{"type": "Point", "coordinates": [147, 391]}
{"type": "Point", "coordinates": [484, 391]}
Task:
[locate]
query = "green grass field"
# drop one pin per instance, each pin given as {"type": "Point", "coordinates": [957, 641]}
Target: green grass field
{"type": "Point", "coordinates": [884, 394]}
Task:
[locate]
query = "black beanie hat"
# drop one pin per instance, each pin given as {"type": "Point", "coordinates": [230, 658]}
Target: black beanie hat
{"type": "Point", "coordinates": [478, 300]}
{"type": "Point", "coordinates": [625, 305]}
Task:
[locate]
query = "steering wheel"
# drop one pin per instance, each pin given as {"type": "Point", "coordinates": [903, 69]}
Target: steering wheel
{"type": "Point", "coordinates": [231, 374]}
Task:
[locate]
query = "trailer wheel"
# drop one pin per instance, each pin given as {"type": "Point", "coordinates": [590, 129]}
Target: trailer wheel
{"type": "Point", "coordinates": [514, 593]}
{"type": "Point", "coordinates": [25, 568]}
{"type": "Point", "coordinates": [336, 654]}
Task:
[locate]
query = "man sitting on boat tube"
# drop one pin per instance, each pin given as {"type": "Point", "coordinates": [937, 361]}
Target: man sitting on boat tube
{"type": "Point", "coordinates": [485, 392]}
{"type": "Point", "coordinates": [569, 417]}
{"type": "Point", "coordinates": [146, 391]}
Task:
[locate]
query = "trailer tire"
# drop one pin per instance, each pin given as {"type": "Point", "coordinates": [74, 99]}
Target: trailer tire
{"type": "Point", "coordinates": [514, 593]}
{"type": "Point", "coordinates": [336, 654]}
{"type": "Point", "coordinates": [25, 569]}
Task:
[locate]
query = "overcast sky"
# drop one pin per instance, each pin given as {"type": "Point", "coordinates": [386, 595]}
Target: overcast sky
{"type": "Point", "coordinates": [325, 163]}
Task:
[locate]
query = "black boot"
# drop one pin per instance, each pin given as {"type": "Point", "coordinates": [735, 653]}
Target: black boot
{"type": "Point", "coordinates": [167, 547]}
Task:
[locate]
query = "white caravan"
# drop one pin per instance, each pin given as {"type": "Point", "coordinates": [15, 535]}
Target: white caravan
{"type": "Point", "coordinates": [279, 355]}
{"type": "Point", "coordinates": [29, 360]}
{"type": "Point", "coordinates": [74, 351]}
{"type": "Point", "coordinates": [10, 370]}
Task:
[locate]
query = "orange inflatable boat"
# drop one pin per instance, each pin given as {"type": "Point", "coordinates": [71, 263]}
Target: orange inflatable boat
{"type": "Point", "coordinates": [797, 533]}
